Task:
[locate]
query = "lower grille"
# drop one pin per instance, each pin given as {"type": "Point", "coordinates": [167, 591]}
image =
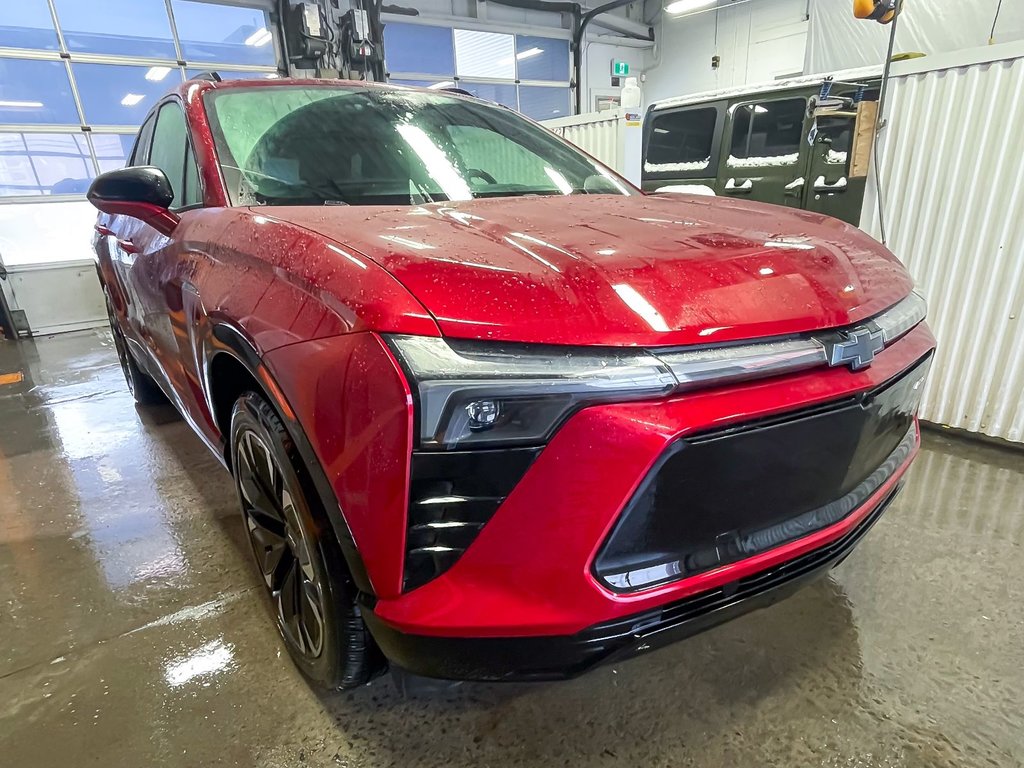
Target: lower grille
{"type": "Point", "coordinates": [452, 495]}
{"type": "Point", "coordinates": [721, 497]}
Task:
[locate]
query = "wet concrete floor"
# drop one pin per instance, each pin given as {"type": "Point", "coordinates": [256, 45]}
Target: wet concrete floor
{"type": "Point", "coordinates": [133, 633]}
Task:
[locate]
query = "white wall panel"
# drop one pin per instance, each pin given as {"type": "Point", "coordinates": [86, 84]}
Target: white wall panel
{"type": "Point", "coordinates": [953, 191]}
{"type": "Point", "coordinates": [598, 134]}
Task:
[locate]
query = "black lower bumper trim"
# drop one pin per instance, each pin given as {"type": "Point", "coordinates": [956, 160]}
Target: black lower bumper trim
{"type": "Point", "coordinates": [559, 657]}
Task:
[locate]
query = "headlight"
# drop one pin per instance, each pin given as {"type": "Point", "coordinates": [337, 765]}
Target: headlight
{"type": "Point", "coordinates": [476, 394]}
{"type": "Point", "coordinates": [473, 393]}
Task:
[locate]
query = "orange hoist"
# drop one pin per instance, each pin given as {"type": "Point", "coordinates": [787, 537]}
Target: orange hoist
{"type": "Point", "coordinates": [882, 11]}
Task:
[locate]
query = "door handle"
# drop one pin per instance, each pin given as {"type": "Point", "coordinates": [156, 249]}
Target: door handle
{"type": "Point", "coordinates": [127, 246]}
{"type": "Point", "coordinates": [738, 189]}
{"type": "Point", "coordinates": [821, 186]}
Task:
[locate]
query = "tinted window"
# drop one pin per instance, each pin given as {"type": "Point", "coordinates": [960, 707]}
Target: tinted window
{"type": "Point", "coordinates": [168, 152]}
{"type": "Point", "coordinates": [769, 129]}
{"type": "Point", "coordinates": [290, 145]}
{"type": "Point", "coordinates": [140, 156]}
{"type": "Point", "coordinates": [500, 93]}
{"type": "Point", "coordinates": [193, 190]}
{"type": "Point", "coordinates": [682, 140]}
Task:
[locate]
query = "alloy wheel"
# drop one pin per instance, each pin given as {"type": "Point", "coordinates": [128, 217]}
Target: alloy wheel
{"type": "Point", "coordinates": [280, 544]}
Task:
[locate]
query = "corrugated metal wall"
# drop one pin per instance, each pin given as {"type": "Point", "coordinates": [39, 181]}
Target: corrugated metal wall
{"type": "Point", "coordinates": [598, 134]}
{"type": "Point", "coordinates": [952, 159]}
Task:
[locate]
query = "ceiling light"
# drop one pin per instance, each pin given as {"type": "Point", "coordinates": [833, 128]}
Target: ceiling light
{"type": "Point", "coordinates": [21, 104]}
{"type": "Point", "coordinates": [439, 86]}
{"type": "Point", "coordinates": [156, 74]}
{"type": "Point", "coordinates": [131, 99]}
{"type": "Point", "coordinates": [529, 52]}
{"type": "Point", "coordinates": [685, 6]}
{"type": "Point", "coordinates": [260, 37]}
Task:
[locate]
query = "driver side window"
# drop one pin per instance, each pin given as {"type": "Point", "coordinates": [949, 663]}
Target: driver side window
{"type": "Point", "coordinates": [172, 154]}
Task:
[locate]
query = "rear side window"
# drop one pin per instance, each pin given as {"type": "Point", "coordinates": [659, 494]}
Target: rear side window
{"type": "Point", "coordinates": [681, 141]}
{"type": "Point", "coordinates": [140, 154]}
{"type": "Point", "coordinates": [767, 133]}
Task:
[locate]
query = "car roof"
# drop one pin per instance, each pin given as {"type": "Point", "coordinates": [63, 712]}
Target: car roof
{"type": "Point", "coordinates": [191, 89]}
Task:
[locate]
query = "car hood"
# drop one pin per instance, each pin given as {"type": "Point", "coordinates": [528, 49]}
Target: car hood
{"type": "Point", "coordinates": [644, 270]}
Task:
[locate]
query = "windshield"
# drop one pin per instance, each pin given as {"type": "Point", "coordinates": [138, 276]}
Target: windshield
{"type": "Point", "coordinates": [324, 145]}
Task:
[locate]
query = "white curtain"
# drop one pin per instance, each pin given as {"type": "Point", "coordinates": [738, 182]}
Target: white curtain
{"type": "Point", "coordinates": [837, 40]}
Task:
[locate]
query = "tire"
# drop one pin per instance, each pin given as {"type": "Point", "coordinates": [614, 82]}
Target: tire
{"type": "Point", "coordinates": [142, 386]}
{"type": "Point", "coordinates": [299, 560]}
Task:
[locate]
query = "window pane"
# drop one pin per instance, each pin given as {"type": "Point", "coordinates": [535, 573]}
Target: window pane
{"type": "Point", "coordinates": [27, 24]}
{"type": "Point", "coordinates": [767, 133]}
{"type": "Point", "coordinates": [485, 54]}
{"type": "Point", "coordinates": [113, 94]}
{"type": "Point", "coordinates": [307, 145]}
{"type": "Point", "coordinates": [501, 93]}
{"type": "Point", "coordinates": [422, 83]}
{"type": "Point", "coordinates": [36, 92]}
{"type": "Point", "coordinates": [44, 164]}
{"type": "Point", "coordinates": [681, 141]}
{"type": "Point", "coordinates": [227, 74]}
{"type": "Point", "coordinates": [542, 58]}
{"type": "Point", "coordinates": [168, 153]}
{"type": "Point", "coordinates": [224, 33]}
{"type": "Point", "coordinates": [38, 233]}
{"type": "Point", "coordinates": [544, 102]}
{"type": "Point", "coordinates": [112, 150]}
{"type": "Point", "coordinates": [122, 27]}
{"type": "Point", "coordinates": [193, 194]}
{"type": "Point", "coordinates": [420, 49]}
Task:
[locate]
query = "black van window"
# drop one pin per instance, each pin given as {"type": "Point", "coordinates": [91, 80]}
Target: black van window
{"type": "Point", "coordinates": [681, 141]}
{"type": "Point", "coordinates": [767, 131]}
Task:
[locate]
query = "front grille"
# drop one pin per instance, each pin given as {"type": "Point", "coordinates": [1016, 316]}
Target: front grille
{"type": "Point", "coordinates": [721, 497]}
{"type": "Point", "coordinates": [452, 496]}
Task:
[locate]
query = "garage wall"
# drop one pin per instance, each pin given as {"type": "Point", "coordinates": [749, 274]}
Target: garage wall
{"type": "Point", "coordinates": [953, 192]}
{"type": "Point", "coordinates": [839, 41]}
{"type": "Point", "coordinates": [757, 41]}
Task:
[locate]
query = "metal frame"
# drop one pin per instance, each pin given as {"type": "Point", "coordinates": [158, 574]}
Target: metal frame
{"type": "Point", "coordinates": [69, 58]}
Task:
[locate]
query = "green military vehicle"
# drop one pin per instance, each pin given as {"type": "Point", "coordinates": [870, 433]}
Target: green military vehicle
{"type": "Point", "coordinates": [785, 142]}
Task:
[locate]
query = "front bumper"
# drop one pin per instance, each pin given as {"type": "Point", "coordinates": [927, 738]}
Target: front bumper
{"type": "Point", "coordinates": [558, 657]}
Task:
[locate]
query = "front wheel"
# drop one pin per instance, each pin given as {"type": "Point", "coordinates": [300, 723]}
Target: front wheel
{"type": "Point", "coordinates": [299, 561]}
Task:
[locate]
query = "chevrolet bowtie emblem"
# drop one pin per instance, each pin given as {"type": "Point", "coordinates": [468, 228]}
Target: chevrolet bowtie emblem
{"type": "Point", "coordinates": [856, 348]}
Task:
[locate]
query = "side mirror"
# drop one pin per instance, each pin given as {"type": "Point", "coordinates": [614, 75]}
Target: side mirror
{"type": "Point", "coordinates": [143, 193]}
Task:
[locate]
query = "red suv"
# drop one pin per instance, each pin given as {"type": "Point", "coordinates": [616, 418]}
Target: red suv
{"type": "Point", "coordinates": [489, 409]}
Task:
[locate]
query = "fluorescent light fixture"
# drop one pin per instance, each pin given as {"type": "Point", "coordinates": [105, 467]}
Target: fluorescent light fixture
{"type": "Point", "coordinates": [529, 52]}
{"type": "Point", "coordinates": [443, 84]}
{"type": "Point", "coordinates": [260, 37]}
{"type": "Point", "coordinates": [685, 6]}
{"type": "Point", "coordinates": [131, 99]}
{"type": "Point", "coordinates": [156, 74]}
{"type": "Point", "coordinates": [21, 104]}
{"type": "Point", "coordinates": [661, 130]}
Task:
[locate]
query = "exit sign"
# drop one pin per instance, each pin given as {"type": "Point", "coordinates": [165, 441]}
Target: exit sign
{"type": "Point", "coordinates": [620, 68]}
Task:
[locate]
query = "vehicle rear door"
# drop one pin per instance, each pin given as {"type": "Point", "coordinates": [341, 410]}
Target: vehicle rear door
{"type": "Point", "coordinates": [831, 188]}
{"type": "Point", "coordinates": [766, 152]}
{"type": "Point", "coordinates": [682, 146]}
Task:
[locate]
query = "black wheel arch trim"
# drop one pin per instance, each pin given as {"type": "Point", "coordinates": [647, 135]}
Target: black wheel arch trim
{"type": "Point", "coordinates": [232, 341]}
